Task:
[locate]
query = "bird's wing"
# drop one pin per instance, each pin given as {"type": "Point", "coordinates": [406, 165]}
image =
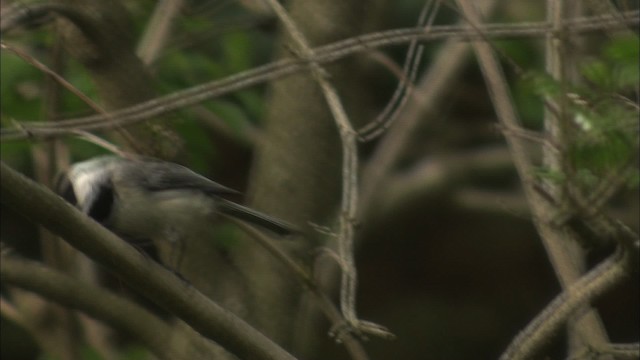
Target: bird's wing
{"type": "Point", "coordinates": [160, 175]}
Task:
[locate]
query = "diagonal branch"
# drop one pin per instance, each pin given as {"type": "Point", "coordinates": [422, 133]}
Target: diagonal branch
{"type": "Point", "coordinates": [120, 313]}
{"type": "Point", "coordinates": [348, 137]}
{"type": "Point", "coordinates": [323, 54]}
{"type": "Point", "coordinates": [542, 211]}
{"type": "Point", "coordinates": [596, 282]}
{"type": "Point", "coordinates": [151, 279]}
{"type": "Point", "coordinates": [353, 346]}
{"type": "Point", "coordinates": [404, 89]}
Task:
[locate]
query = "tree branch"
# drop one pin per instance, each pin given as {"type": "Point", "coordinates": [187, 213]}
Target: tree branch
{"type": "Point", "coordinates": [542, 211]}
{"type": "Point", "coordinates": [596, 282]}
{"type": "Point", "coordinates": [151, 279]}
{"type": "Point", "coordinates": [323, 54]}
{"type": "Point", "coordinates": [114, 310]}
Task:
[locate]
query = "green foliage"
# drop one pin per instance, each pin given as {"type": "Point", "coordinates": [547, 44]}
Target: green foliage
{"type": "Point", "coordinates": [180, 69]}
{"type": "Point", "coordinates": [625, 53]}
{"type": "Point", "coordinates": [82, 149]}
{"type": "Point", "coordinates": [606, 138]}
{"type": "Point", "coordinates": [526, 91]}
{"type": "Point", "coordinates": [198, 144]}
{"type": "Point", "coordinates": [601, 124]}
{"type": "Point", "coordinates": [586, 178]}
{"type": "Point", "coordinates": [20, 89]}
{"type": "Point", "coordinates": [599, 73]}
{"type": "Point", "coordinates": [252, 102]}
{"type": "Point", "coordinates": [237, 51]}
{"type": "Point", "coordinates": [616, 69]}
{"type": "Point", "coordinates": [542, 84]}
{"type": "Point", "coordinates": [231, 113]}
{"type": "Point", "coordinates": [525, 54]}
{"type": "Point", "coordinates": [136, 353]}
{"type": "Point", "coordinates": [550, 175]}
{"type": "Point", "coordinates": [230, 53]}
{"type": "Point", "coordinates": [530, 107]}
{"type": "Point", "coordinates": [76, 75]}
{"type": "Point", "coordinates": [90, 353]}
{"type": "Point", "coordinates": [531, 90]}
{"type": "Point", "coordinates": [20, 101]}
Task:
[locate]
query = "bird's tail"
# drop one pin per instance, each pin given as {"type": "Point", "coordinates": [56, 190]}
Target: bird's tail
{"type": "Point", "coordinates": [267, 222]}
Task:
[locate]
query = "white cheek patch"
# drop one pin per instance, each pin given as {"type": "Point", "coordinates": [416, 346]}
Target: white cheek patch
{"type": "Point", "coordinates": [85, 184]}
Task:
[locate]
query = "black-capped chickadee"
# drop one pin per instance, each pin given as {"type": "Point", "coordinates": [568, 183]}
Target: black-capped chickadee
{"type": "Point", "coordinates": [148, 199]}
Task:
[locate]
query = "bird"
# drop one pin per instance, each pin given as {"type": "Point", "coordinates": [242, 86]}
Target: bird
{"type": "Point", "coordinates": [149, 199]}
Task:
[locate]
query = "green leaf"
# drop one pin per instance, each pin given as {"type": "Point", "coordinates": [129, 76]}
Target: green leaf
{"type": "Point", "coordinates": [197, 142]}
{"type": "Point", "coordinates": [627, 76]}
{"type": "Point", "coordinates": [625, 50]}
{"type": "Point", "coordinates": [618, 67]}
{"type": "Point", "coordinates": [541, 83]}
{"type": "Point", "coordinates": [598, 72]}
{"type": "Point", "coordinates": [252, 102]}
{"type": "Point", "coordinates": [231, 113]}
{"type": "Point", "coordinates": [20, 88]}
{"type": "Point", "coordinates": [236, 47]}
{"type": "Point", "coordinates": [610, 150]}
{"type": "Point", "coordinates": [587, 178]}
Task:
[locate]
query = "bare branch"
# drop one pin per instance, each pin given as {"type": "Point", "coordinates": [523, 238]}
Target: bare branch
{"type": "Point", "coordinates": [120, 313]}
{"type": "Point", "coordinates": [150, 278]}
{"type": "Point", "coordinates": [403, 90]}
{"type": "Point", "coordinates": [324, 302]}
{"type": "Point", "coordinates": [62, 81]}
{"type": "Point", "coordinates": [596, 282]}
{"type": "Point", "coordinates": [585, 331]}
{"type": "Point", "coordinates": [158, 30]}
{"type": "Point", "coordinates": [555, 241]}
{"type": "Point", "coordinates": [323, 54]}
{"type": "Point", "coordinates": [350, 169]}
{"type": "Point", "coordinates": [429, 91]}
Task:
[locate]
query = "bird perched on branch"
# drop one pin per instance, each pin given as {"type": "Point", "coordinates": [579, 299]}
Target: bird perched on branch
{"type": "Point", "coordinates": [149, 199]}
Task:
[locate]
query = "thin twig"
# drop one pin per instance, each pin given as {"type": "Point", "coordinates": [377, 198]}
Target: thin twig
{"type": "Point", "coordinates": [403, 90]}
{"type": "Point", "coordinates": [158, 30]}
{"type": "Point", "coordinates": [323, 54]}
{"type": "Point", "coordinates": [103, 143]}
{"type": "Point", "coordinates": [596, 282]}
{"type": "Point", "coordinates": [67, 85]}
{"type": "Point", "coordinates": [587, 331]}
{"type": "Point", "coordinates": [45, 69]}
{"type": "Point", "coordinates": [623, 351]}
{"type": "Point", "coordinates": [554, 240]}
{"type": "Point", "coordinates": [324, 302]}
{"type": "Point", "coordinates": [151, 279]}
{"type": "Point", "coordinates": [348, 208]}
{"type": "Point", "coordinates": [429, 92]}
{"type": "Point", "coordinates": [120, 313]}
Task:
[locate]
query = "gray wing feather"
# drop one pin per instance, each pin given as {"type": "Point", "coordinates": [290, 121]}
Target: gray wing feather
{"type": "Point", "coordinates": [159, 176]}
